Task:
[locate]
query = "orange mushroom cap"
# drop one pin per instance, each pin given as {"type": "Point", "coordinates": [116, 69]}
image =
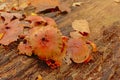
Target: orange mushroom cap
{"type": "Point", "coordinates": [78, 50]}
{"type": "Point", "coordinates": [46, 42]}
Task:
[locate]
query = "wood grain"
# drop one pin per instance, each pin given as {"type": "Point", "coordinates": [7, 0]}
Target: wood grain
{"type": "Point", "coordinates": [104, 20]}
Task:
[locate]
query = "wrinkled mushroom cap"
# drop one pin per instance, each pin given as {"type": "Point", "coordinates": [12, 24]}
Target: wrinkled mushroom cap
{"type": "Point", "coordinates": [46, 42]}
{"type": "Point", "coordinates": [78, 50]}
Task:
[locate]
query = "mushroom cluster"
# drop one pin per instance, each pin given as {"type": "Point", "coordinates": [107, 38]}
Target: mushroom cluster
{"type": "Point", "coordinates": [40, 36]}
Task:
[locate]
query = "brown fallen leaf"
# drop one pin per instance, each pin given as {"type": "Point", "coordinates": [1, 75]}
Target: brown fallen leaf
{"type": "Point", "coordinates": [75, 34]}
{"type": "Point", "coordinates": [46, 4]}
{"type": "Point", "coordinates": [8, 17]}
{"type": "Point", "coordinates": [81, 26]}
{"type": "Point", "coordinates": [12, 31]}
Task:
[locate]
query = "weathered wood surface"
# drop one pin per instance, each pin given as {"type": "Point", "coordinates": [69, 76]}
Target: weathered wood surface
{"type": "Point", "coordinates": [104, 20]}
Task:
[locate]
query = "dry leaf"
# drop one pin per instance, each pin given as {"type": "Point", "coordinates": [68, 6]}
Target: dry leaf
{"type": "Point", "coordinates": [44, 4]}
{"type": "Point", "coordinates": [8, 17]}
{"type": "Point", "coordinates": [81, 26]}
{"type": "Point", "coordinates": [47, 4]}
{"type": "Point", "coordinates": [75, 34]}
{"type": "Point", "coordinates": [12, 31]}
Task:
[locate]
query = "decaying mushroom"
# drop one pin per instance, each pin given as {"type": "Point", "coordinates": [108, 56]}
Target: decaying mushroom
{"type": "Point", "coordinates": [48, 44]}
{"type": "Point", "coordinates": [79, 51]}
{"type": "Point", "coordinates": [40, 36]}
{"type": "Point", "coordinates": [78, 45]}
{"type": "Point", "coordinates": [44, 40]}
